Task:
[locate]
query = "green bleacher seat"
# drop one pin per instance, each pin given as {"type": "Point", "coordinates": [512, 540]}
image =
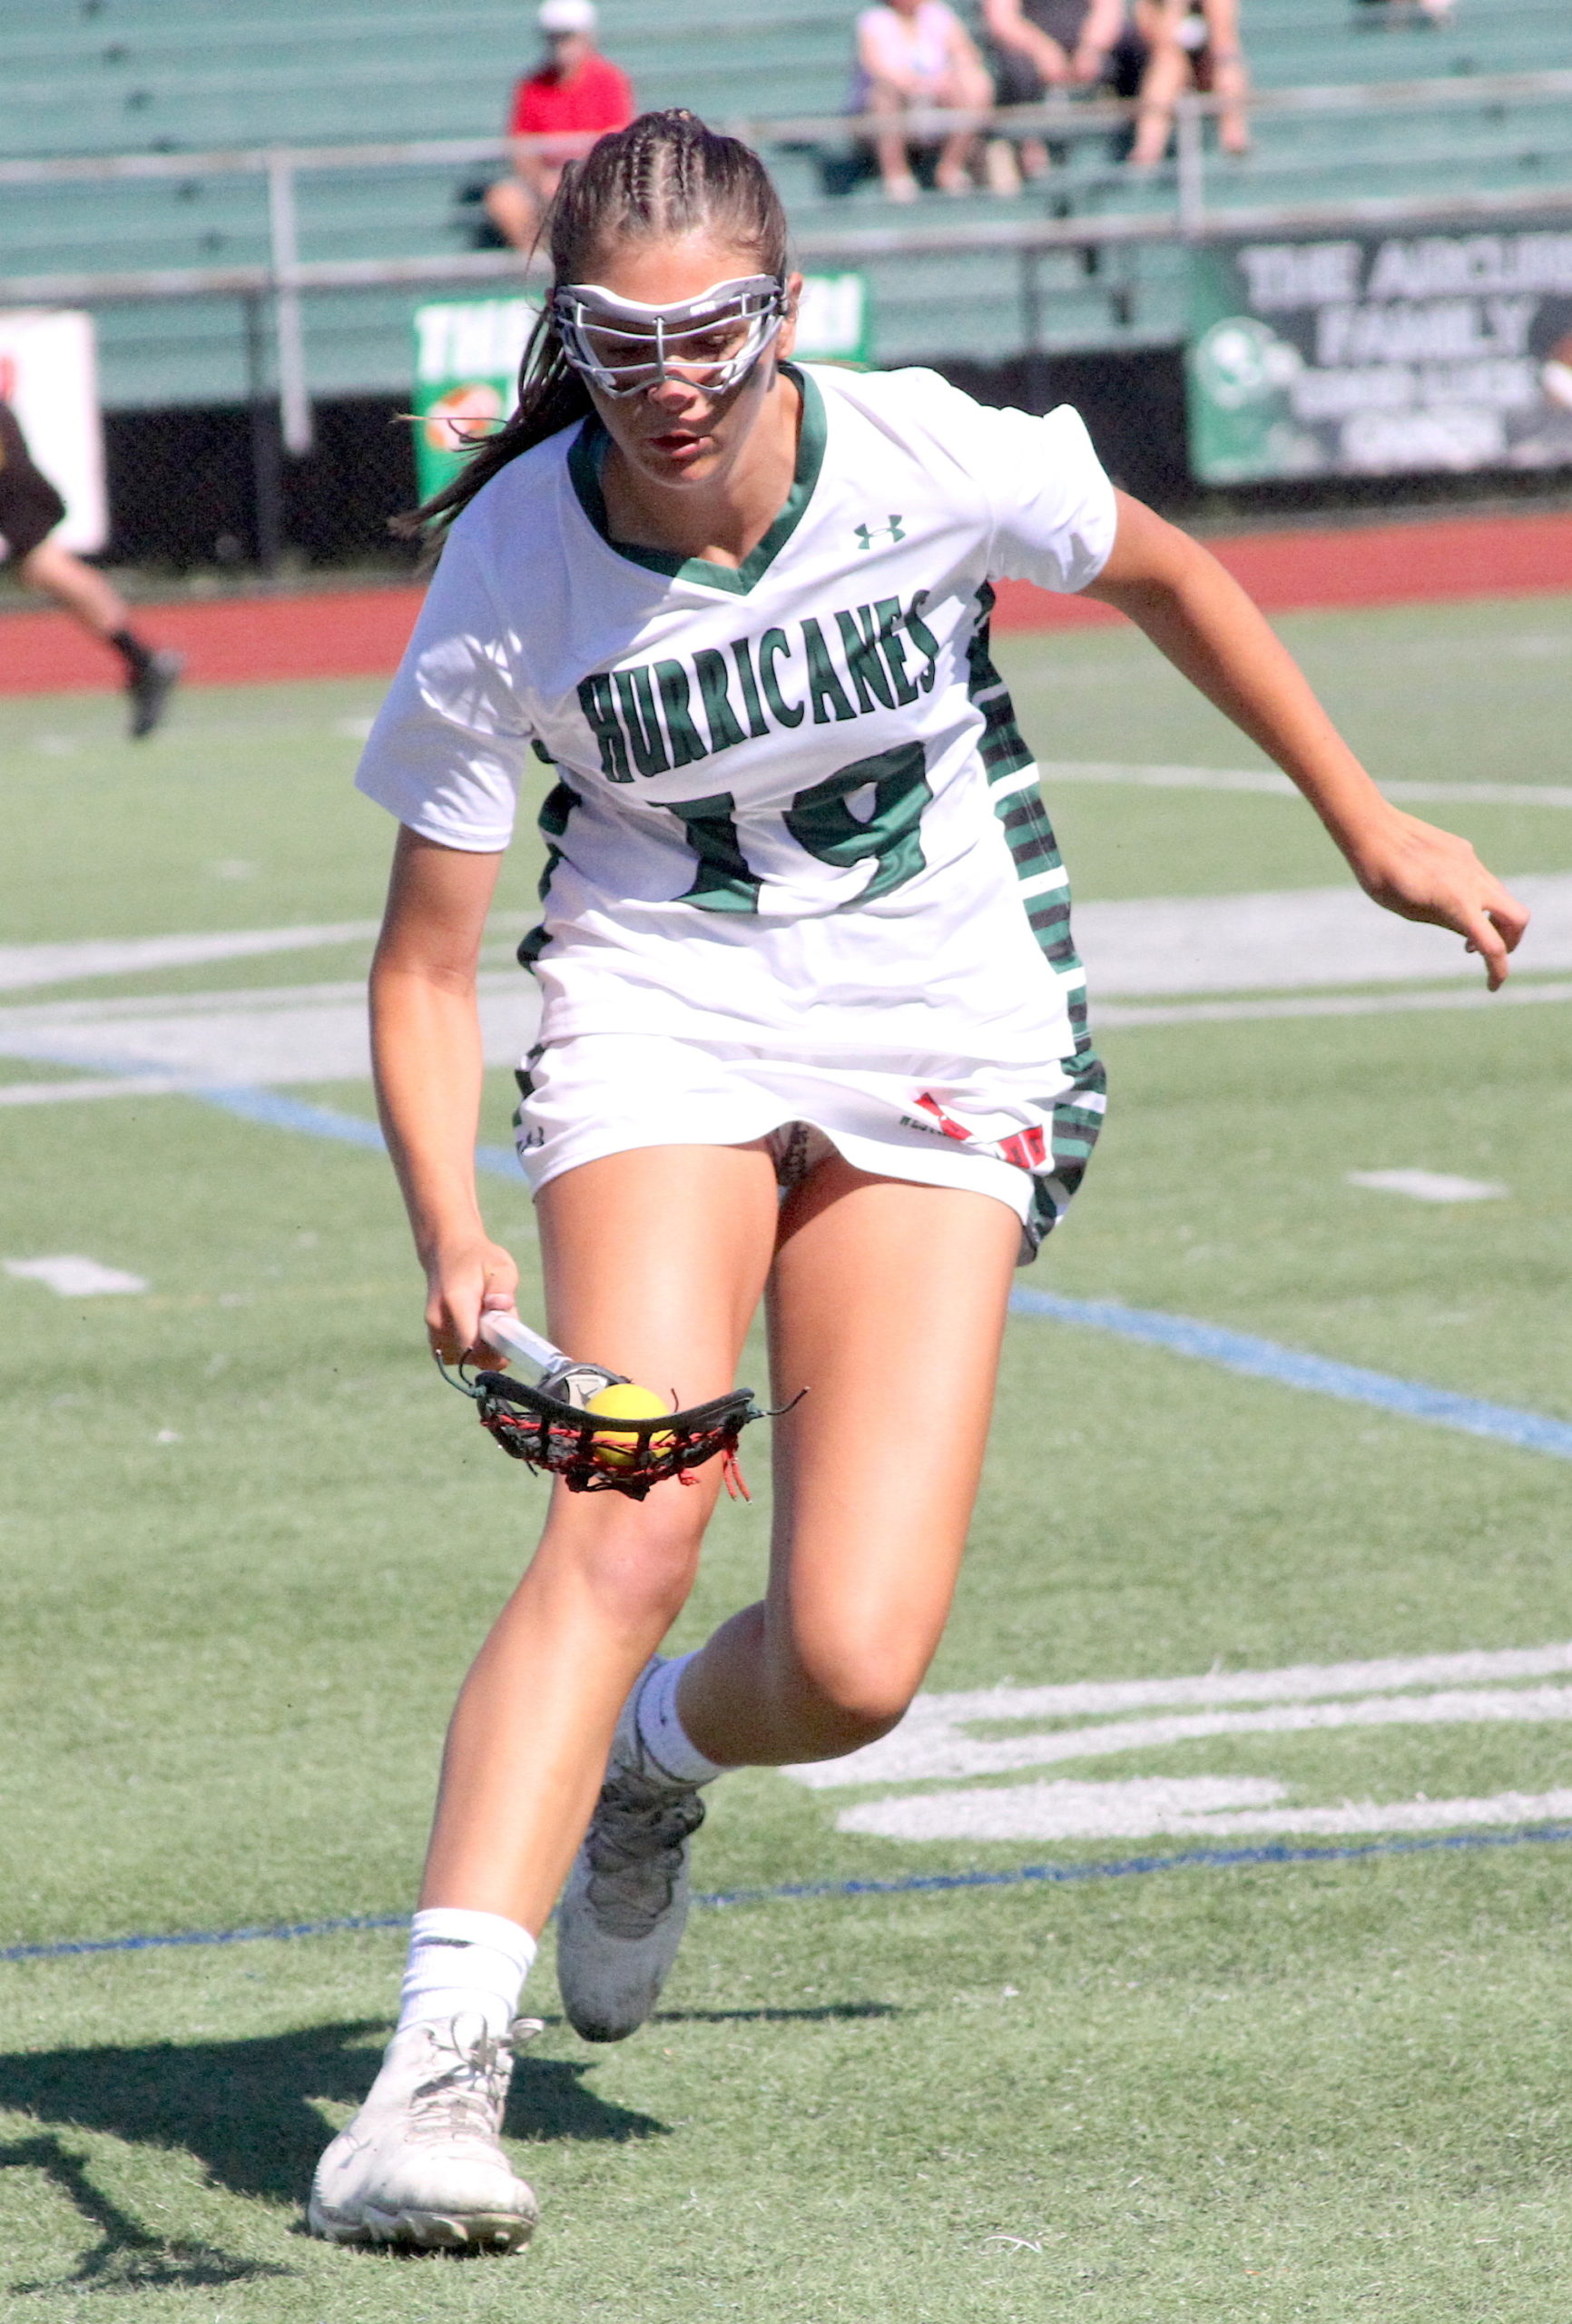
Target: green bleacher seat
{"type": "Point", "coordinates": [112, 77]}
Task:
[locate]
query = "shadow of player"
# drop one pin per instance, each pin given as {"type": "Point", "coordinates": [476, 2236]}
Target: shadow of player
{"type": "Point", "coordinates": [127, 2256]}
{"type": "Point", "coordinates": [246, 2110]}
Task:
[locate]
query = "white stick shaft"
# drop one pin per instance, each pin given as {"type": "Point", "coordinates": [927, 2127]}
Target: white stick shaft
{"type": "Point", "coordinates": [514, 1338]}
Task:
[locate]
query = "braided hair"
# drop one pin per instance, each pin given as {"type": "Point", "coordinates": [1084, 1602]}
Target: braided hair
{"type": "Point", "coordinates": [664, 176]}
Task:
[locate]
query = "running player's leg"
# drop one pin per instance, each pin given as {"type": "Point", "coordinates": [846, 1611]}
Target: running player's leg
{"type": "Point", "coordinates": [654, 1263]}
{"type": "Point", "coordinates": [151, 672]}
{"type": "Point", "coordinates": [887, 1302]}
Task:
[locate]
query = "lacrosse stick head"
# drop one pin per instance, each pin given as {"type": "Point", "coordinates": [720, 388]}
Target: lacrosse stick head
{"type": "Point", "coordinates": [592, 1453]}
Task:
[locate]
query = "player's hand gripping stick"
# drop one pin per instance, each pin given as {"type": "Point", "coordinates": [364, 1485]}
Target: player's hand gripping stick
{"type": "Point", "coordinates": [560, 1423]}
{"type": "Point", "coordinates": [560, 1376]}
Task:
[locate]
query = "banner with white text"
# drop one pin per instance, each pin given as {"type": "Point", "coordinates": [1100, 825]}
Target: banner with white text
{"type": "Point", "coordinates": [1382, 355]}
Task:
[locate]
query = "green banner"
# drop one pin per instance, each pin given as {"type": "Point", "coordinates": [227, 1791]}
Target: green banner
{"type": "Point", "coordinates": [1381, 355]}
{"type": "Point", "coordinates": [468, 352]}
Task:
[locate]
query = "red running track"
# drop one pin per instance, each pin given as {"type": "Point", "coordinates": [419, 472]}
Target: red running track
{"type": "Point", "coordinates": [361, 633]}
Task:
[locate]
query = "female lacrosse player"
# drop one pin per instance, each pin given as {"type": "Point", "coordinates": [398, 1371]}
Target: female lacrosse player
{"type": "Point", "coordinates": [813, 1031]}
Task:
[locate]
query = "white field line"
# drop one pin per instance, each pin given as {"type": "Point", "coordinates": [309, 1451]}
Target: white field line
{"type": "Point", "coordinates": [931, 1741]}
{"type": "Point", "coordinates": [1120, 1016]}
{"type": "Point", "coordinates": [23, 967]}
{"type": "Point", "coordinates": [332, 1047]}
{"type": "Point", "coordinates": [1203, 1809]}
{"type": "Point", "coordinates": [1429, 1185]}
{"type": "Point", "coordinates": [1266, 779]}
{"type": "Point", "coordinates": [973, 1756]}
{"type": "Point", "coordinates": [74, 1277]}
{"type": "Point", "coordinates": [290, 1033]}
{"type": "Point", "coordinates": [119, 1085]}
{"type": "Point", "coordinates": [1294, 939]}
{"type": "Point", "coordinates": [1163, 950]}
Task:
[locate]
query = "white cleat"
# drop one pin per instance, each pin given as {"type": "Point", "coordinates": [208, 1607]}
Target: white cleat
{"type": "Point", "coordinates": [420, 2165]}
{"type": "Point", "coordinates": [626, 1905]}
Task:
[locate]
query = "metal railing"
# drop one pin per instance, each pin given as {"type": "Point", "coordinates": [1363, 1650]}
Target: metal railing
{"type": "Point", "coordinates": [280, 284]}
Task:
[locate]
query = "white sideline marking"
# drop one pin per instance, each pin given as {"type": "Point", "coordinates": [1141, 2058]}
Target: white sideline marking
{"type": "Point", "coordinates": [1213, 778]}
{"type": "Point", "coordinates": [115, 1085]}
{"type": "Point", "coordinates": [289, 1033]}
{"type": "Point", "coordinates": [326, 1052]}
{"type": "Point", "coordinates": [968, 1755]}
{"type": "Point", "coordinates": [932, 1741]}
{"type": "Point", "coordinates": [1176, 1808]}
{"type": "Point", "coordinates": [74, 1277]}
{"type": "Point", "coordinates": [1266, 943]}
{"type": "Point", "coordinates": [1118, 1015]}
{"type": "Point", "coordinates": [26, 965]}
{"type": "Point", "coordinates": [1430, 1186]}
{"type": "Point", "coordinates": [1293, 940]}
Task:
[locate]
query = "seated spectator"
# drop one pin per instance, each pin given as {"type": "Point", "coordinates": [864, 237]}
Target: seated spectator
{"type": "Point", "coordinates": [1193, 44]}
{"type": "Point", "coordinates": [914, 54]}
{"type": "Point", "coordinates": [574, 96]}
{"type": "Point", "coordinates": [1042, 44]}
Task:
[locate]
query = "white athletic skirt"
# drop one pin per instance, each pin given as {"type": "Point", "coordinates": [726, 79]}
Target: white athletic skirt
{"type": "Point", "coordinates": [1022, 1136]}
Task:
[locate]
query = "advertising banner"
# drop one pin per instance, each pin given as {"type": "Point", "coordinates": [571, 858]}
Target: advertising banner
{"type": "Point", "coordinates": [49, 377]}
{"type": "Point", "coordinates": [1382, 354]}
{"type": "Point", "coordinates": [468, 352]}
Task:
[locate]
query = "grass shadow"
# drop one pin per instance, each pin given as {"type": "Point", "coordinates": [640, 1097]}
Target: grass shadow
{"type": "Point", "coordinates": [245, 2108]}
{"type": "Point", "coordinates": [127, 2256]}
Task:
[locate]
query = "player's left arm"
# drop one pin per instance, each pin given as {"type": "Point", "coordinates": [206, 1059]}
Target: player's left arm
{"type": "Point", "coordinates": [1197, 615]}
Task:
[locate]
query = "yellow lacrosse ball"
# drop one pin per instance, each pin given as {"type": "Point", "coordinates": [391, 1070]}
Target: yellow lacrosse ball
{"type": "Point", "coordinates": [619, 1448]}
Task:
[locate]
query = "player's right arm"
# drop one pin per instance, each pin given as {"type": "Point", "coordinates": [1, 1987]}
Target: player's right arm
{"type": "Point", "coordinates": [428, 1061]}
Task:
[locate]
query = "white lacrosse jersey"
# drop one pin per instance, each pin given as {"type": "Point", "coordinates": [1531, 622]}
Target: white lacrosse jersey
{"type": "Point", "coordinates": [787, 806]}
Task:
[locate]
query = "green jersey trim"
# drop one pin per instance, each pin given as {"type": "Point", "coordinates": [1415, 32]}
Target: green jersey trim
{"type": "Point", "coordinates": [587, 456]}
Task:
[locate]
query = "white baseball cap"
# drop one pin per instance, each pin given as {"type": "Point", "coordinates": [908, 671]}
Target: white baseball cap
{"type": "Point", "coordinates": [566, 16]}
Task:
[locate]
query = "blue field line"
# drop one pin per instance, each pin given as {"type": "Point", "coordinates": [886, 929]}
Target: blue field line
{"type": "Point", "coordinates": [914, 1884]}
{"type": "Point", "coordinates": [1291, 1368]}
{"type": "Point", "coordinates": [67, 1947]}
{"type": "Point", "coordinates": [326, 1121]}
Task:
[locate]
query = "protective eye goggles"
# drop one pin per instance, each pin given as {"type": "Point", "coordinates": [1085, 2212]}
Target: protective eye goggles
{"type": "Point", "coordinates": [711, 342]}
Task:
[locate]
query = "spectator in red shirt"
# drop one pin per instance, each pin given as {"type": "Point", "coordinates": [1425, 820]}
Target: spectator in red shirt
{"type": "Point", "coordinates": [575, 96]}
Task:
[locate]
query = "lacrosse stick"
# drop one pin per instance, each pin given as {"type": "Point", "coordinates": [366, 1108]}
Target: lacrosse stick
{"type": "Point", "coordinates": [555, 1425]}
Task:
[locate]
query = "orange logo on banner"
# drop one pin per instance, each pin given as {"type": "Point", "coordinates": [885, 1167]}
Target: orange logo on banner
{"type": "Point", "coordinates": [462, 416]}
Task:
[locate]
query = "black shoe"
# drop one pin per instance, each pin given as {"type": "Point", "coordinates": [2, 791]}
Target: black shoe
{"type": "Point", "coordinates": [150, 691]}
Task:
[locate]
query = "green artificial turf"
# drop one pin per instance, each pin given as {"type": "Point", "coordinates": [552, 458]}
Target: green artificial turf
{"type": "Point", "coordinates": [250, 1542]}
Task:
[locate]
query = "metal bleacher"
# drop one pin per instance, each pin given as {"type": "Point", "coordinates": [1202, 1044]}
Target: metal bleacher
{"type": "Point", "coordinates": [111, 78]}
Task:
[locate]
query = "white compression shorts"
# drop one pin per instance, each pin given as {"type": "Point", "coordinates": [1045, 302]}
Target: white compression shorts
{"type": "Point", "coordinates": [1021, 1136]}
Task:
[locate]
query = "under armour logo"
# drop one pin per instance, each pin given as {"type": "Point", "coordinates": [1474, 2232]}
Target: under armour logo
{"type": "Point", "coordinates": [867, 534]}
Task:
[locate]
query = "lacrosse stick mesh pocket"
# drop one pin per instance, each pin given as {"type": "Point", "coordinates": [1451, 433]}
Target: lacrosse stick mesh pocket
{"type": "Point", "coordinates": [630, 1456]}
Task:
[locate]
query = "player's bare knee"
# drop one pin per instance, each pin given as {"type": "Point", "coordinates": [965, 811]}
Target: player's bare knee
{"type": "Point", "coordinates": [844, 1703]}
{"type": "Point", "coordinates": [641, 1573]}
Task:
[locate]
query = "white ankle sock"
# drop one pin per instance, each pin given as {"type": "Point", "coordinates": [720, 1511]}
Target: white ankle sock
{"type": "Point", "coordinates": [663, 1734]}
{"type": "Point", "coordinates": [465, 1965]}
